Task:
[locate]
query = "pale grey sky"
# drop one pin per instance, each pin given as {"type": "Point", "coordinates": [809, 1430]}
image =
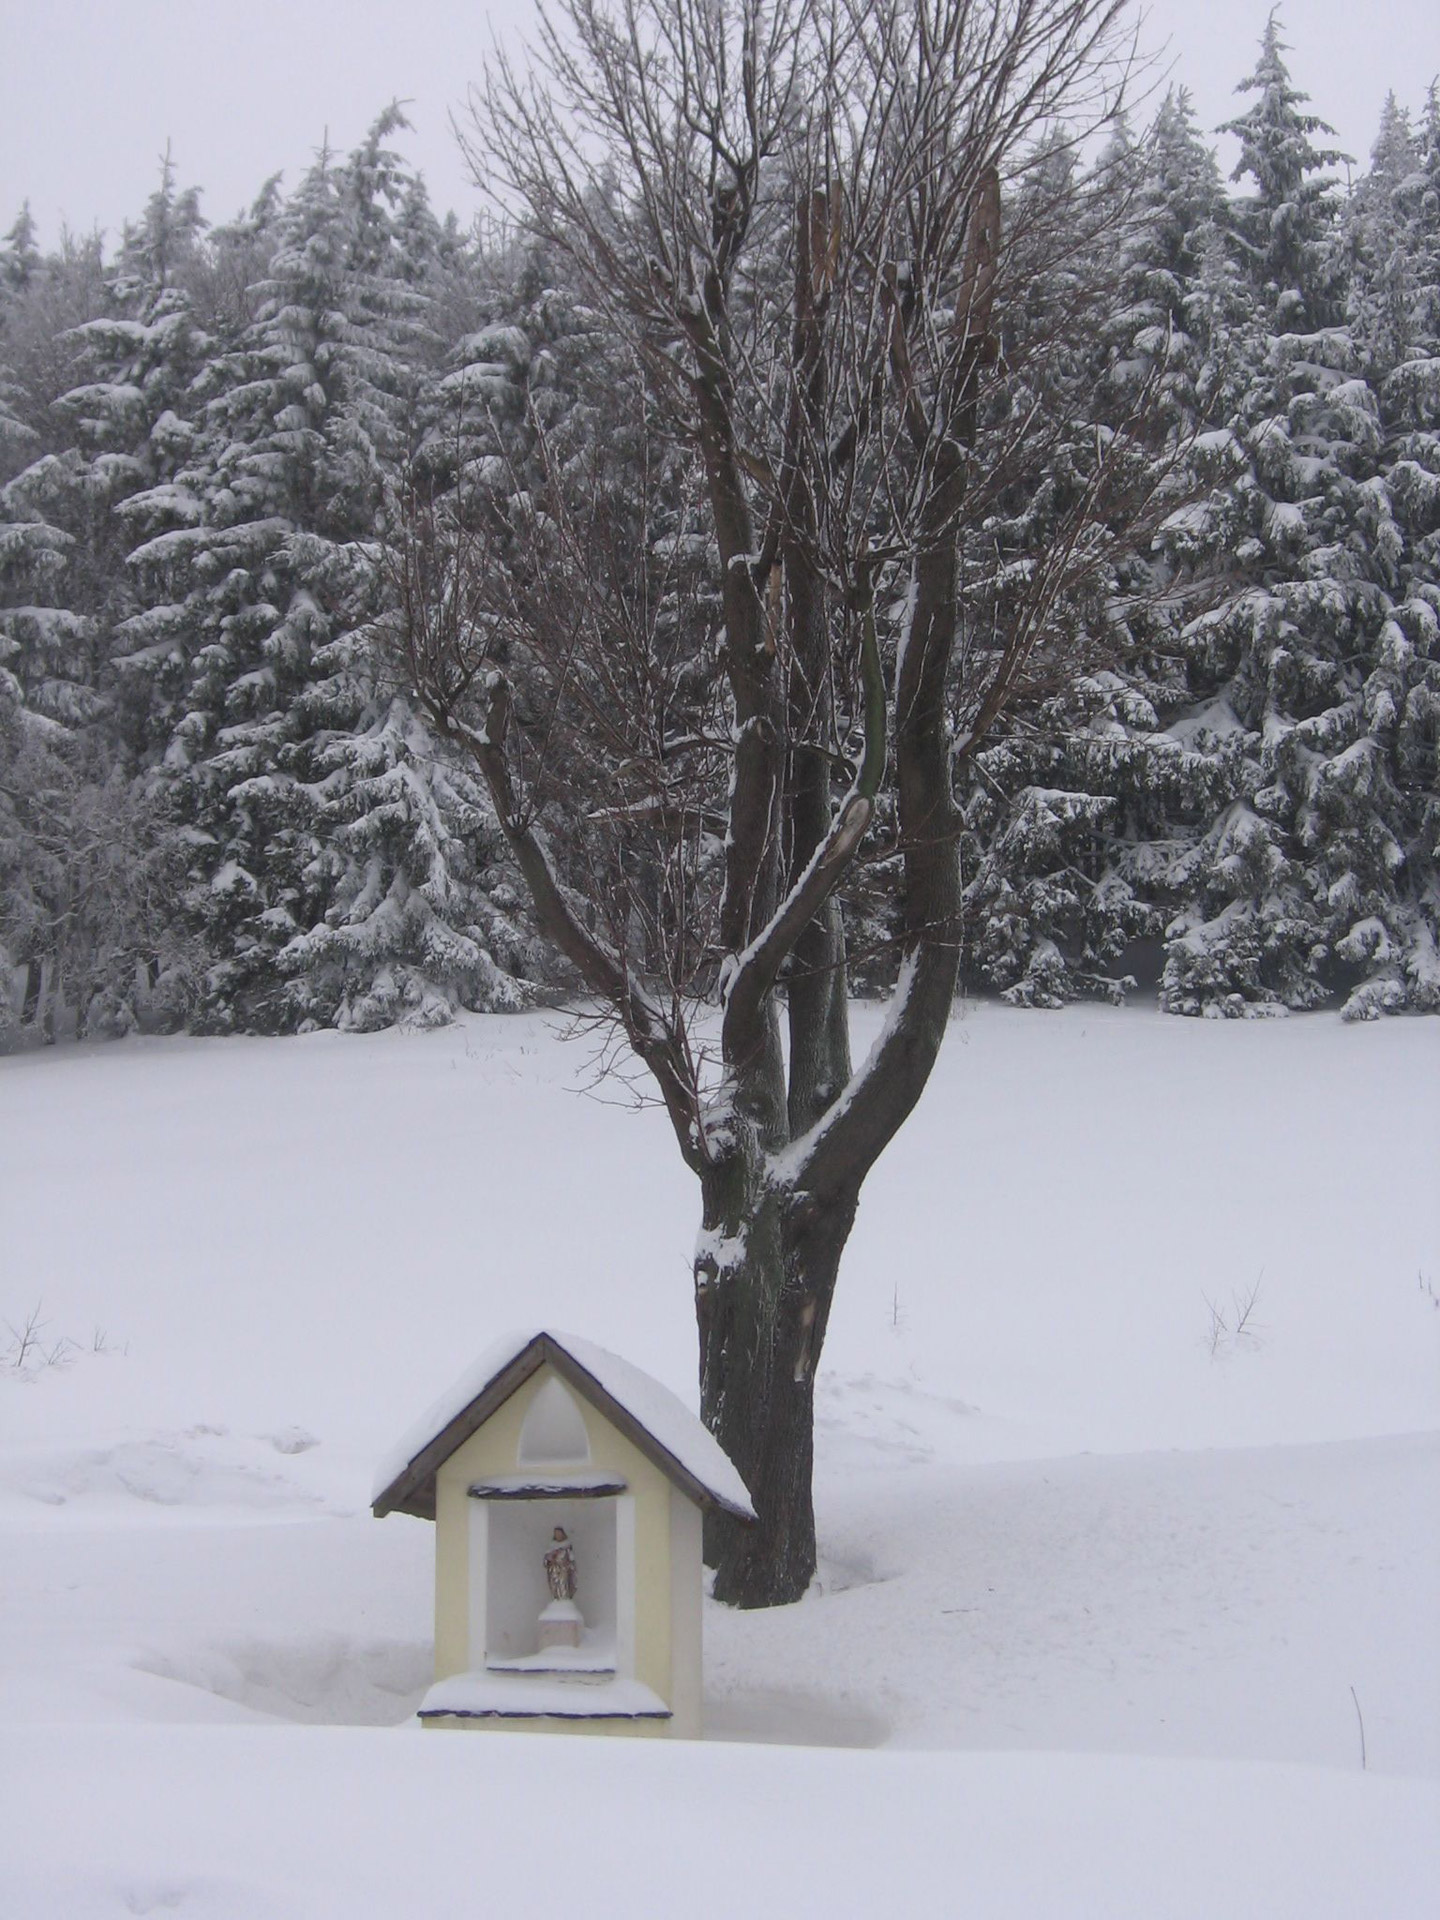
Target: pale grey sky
{"type": "Point", "coordinates": [90, 90]}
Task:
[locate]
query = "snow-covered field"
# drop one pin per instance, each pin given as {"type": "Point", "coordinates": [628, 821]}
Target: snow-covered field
{"type": "Point", "coordinates": [1112, 1586]}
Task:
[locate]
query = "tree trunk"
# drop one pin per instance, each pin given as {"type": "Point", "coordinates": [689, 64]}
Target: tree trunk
{"type": "Point", "coordinates": [764, 1281]}
{"type": "Point", "coordinates": [34, 987]}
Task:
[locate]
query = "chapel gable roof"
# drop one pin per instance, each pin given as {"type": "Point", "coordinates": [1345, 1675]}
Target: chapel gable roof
{"type": "Point", "coordinates": [659, 1424]}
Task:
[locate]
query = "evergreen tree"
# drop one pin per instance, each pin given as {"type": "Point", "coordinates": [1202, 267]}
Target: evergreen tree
{"type": "Point", "coordinates": [1315, 874]}
{"type": "Point", "coordinates": [1081, 817]}
{"type": "Point", "coordinates": [88, 913]}
{"type": "Point", "coordinates": [19, 256]}
{"type": "Point", "coordinates": [88, 877]}
{"type": "Point", "coordinates": [1281, 227]}
{"type": "Point", "coordinates": [1396, 944]}
{"type": "Point", "coordinates": [205, 443]}
{"type": "Point", "coordinates": [56, 550]}
{"type": "Point", "coordinates": [286, 482]}
{"type": "Point", "coordinates": [338, 871]}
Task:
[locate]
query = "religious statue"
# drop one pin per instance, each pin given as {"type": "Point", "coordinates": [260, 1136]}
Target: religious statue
{"type": "Point", "coordinates": [560, 1567]}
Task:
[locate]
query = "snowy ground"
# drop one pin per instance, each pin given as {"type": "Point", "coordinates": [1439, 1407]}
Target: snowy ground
{"type": "Point", "coordinates": [1069, 1509]}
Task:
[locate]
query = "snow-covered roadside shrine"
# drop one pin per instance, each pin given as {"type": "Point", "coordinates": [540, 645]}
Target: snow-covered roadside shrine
{"type": "Point", "coordinates": [567, 1489]}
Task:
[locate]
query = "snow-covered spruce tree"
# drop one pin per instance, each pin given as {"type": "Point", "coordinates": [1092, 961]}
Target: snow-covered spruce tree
{"type": "Point", "coordinates": [1082, 806]}
{"type": "Point", "coordinates": [423, 906]}
{"type": "Point", "coordinates": [156, 643]}
{"type": "Point", "coordinates": [416, 921]}
{"type": "Point", "coordinates": [32, 556]}
{"type": "Point", "coordinates": [15, 855]}
{"type": "Point", "coordinates": [1317, 869]}
{"type": "Point", "coordinates": [282, 483]}
{"type": "Point", "coordinates": [1281, 227]}
{"type": "Point", "coordinates": [131, 416]}
{"type": "Point", "coordinates": [20, 256]}
{"type": "Point", "coordinates": [526, 395]}
{"type": "Point", "coordinates": [95, 932]}
{"type": "Point", "coordinates": [1037, 923]}
{"type": "Point", "coordinates": [54, 540]}
{"type": "Point", "coordinates": [27, 773]}
{"type": "Point", "coordinates": [1382, 247]}
{"type": "Point", "coordinates": [87, 880]}
{"type": "Point", "coordinates": [790, 214]}
{"type": "Point", "coordinates": [1392, 246]}
{"type": "Point", "coordinates": [339, 869]}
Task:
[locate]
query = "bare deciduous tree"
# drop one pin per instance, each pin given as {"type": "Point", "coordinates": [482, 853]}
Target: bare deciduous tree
{"type": "Point", "coordinates": [788, 213]}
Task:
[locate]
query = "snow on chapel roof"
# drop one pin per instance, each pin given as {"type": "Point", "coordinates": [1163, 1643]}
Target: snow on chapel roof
{"type": "Point", "coordinates": [656, 1420]}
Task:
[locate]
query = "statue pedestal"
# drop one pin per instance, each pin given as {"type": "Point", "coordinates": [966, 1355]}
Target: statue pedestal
{"type": "Point", "coordinates": [561, 1625]}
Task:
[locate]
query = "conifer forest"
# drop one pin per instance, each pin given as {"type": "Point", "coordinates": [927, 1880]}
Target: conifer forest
{"type": "Point", "coordinates": [234, 457]}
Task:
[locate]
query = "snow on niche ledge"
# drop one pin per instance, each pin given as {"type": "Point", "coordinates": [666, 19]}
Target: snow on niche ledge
{"type": "Point", "coordinates": [567, 1489]}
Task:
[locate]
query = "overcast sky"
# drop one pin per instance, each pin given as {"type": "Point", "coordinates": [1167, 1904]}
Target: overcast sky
{"type": "Point", "coordinates": [91, 90]}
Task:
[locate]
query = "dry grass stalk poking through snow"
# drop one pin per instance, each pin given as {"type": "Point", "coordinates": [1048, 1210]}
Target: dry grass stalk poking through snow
{"type": "Point", "coordinates": [1235, 1326]}
{"type": "Point", "coordinates": [30, 1348]}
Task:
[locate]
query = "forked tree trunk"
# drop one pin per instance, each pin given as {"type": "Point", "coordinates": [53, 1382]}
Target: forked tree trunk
{"type": "Point", "coordinates": [781, 1151]}
{"type": "Point", "coordinates": [764, 1285]}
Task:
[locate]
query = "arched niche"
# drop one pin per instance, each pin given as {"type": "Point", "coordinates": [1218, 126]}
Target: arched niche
{"type": "Point", "coordinates": [518, 1535]}
{"type": "Point", "coordinates": [553, 1432]}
